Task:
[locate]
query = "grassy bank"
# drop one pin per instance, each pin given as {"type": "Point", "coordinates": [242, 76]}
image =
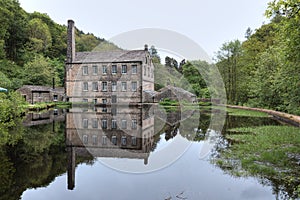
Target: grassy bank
{"type": "Point", "coordinates": [270, 152]}
{"type": "Point", "coordinates": [44, 106]}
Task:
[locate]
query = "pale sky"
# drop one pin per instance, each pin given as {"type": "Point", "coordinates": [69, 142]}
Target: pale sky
{"type": "Point", "coordinates": [209, 23]}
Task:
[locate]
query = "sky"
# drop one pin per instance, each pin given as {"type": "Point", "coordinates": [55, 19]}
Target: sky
{"type": "Point", "coordinates": [208, 23]}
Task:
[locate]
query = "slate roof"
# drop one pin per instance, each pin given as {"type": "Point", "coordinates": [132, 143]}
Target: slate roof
{"type": "Point", "coordinates": [110, 56]}
{"type": "Point", "coordinates": [40, 88]}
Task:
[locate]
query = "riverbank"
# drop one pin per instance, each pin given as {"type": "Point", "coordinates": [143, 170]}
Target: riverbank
{"type": "Point", "coordinates": [291, 119]}
{"type": "Point", "coordinates": [45, 106]}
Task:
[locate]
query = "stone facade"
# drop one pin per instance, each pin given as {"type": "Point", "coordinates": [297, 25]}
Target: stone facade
{"type": "Point", "coordinates": [37, 94]}
{"type": "Point", "coordinates": [107, 77]}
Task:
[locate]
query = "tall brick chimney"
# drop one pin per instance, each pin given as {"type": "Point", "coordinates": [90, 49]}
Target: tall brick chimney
{"type": "Point", "coordinates": [71, 42]}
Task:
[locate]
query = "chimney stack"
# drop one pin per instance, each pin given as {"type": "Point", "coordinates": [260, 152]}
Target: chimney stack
{"type": "Point", "coordinates": [146, 47]}
{"type": "Point", "coordinates": [71, 42]}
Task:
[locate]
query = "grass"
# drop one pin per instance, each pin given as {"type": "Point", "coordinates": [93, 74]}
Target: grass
{"type": "Point", "coordinates": [247, 113]}
{"type": "Point", "coordinates": [271, 152]}
{"type": "Point", "coordinates": [46, 105]}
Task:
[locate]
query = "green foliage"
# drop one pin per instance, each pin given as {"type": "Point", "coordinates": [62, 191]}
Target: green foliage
{"type": "Point", "coordinates": [266, 72]}
{"type": "Point", "coordinates": [33, 47]}
{"type": "Point", "coordinates": [266, 151]}
{"type": "Point", "coordinates": [11, 106]}
{"type": "Point", "coordinates": [154, 54]}
{"type": "Point", "coordinates": [40, 70]}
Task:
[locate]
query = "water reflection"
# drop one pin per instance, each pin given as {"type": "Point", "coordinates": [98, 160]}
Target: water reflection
{"type": "Point", "coordinates": [114, 132]}
{"type": "Point", "coordinates": [47, 147]}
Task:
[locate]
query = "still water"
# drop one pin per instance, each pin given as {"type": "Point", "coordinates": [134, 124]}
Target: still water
{"type": "Point", "coordinates": [124, 153]}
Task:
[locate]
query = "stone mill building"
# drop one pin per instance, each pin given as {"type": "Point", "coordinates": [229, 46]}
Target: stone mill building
{"type": "Point", "coordinates": [108, 77]}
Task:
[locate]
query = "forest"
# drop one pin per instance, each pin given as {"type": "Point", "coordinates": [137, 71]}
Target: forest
{"type": "Point", "coordinates": [264, 70]}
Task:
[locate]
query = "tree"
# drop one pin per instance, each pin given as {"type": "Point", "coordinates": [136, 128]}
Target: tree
{"type": "Point", "coordinates": [39, 72]}
{"type": "Point", "coordinates": [288, 8]}
{"type": "Point", "coordinates": [39, 35]}
{"type": "Point", "coordinates": [154, 54]}
{"type": "Point", "coordinates": [228, 57]}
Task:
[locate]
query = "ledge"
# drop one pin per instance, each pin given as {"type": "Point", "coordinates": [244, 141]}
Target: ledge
{"type": "Point", "coordinates": [291, 119]}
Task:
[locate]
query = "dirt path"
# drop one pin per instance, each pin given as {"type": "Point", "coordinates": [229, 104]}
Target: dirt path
{"type": "Point", "coordinates": [293, 119]}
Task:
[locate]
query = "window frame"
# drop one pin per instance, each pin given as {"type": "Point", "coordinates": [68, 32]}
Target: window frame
{"type": "Point", "coordinates": [95, 86]}
{"type": "Point", "coordinates": [85, 86]}
{"type": "Point", "coordinates": [85, 70]}
{"type": "Point", "coordinates": [104, 86]}
{"type": "Point", "coordinates": [134, 86]}
{"type": "Point", "coordinates": [104, 123]}
{"type": "Point", "coordinates": [132, 69]}
{"type": "Point", "coordinates": [104, 69]}
{"type": "Point", "coordinates": [124, 86]}
{"type": "Point", "coordinates": [114, 86]}
{"type": "Point", "coordinates": [124, 69]}
{"type": "Point", "coordinates": [95, 69]}
{"type": "Point", "coordinates": [114, 69]}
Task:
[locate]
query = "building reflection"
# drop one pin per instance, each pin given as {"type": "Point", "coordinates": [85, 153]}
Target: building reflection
{"type": "Point", "coordinates": [108, 132]}
{"type": "Point", "coordinates": [51, 116]}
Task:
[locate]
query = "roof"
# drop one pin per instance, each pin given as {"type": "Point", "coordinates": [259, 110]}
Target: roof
{"type": "Point", "coordinates": [3, 89]}
{"type": "Point", "coordinates": [110, 56]}
{"type": "Point", "coordinates": [176, 90]}
{"type": "Point", "coordinates": [39, 88]}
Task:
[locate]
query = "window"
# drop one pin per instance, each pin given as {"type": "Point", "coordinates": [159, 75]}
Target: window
{"type": "Point", "coordinates": [124, 86]}
{"type": "Point", "coordinates": [114, 99]}
{"type": "Point", "coordinates": [95, 139]}
{"type": "Point", "coordinates": [104, 142]}
{"type": "Point", "coordinates": [114, 140]}
{"type": "Point", "coordinates": [85, 139]}
{"type": "Point", "coordinates": [85, 100]}
{"type": "Point", "coordinates": [134, 86]}
{"type": "Point", "coordinates": [152, 73]}
{"type": "Point", "coordinates": [95, 101]}
{"type": "Point", "coordinates": [95, 86]}
{"type": "Point", "coordinates": [114, 111]}
{"type": "Point", "coordinates": [114, 124]}
{"type": "Point", "coordinates": [104, 86]}
{"type": "Point", "coordinates": [114, 86]}
{"type": "Point", "coordinates": [123, 140]}
{"type": "Point", "coordinates": [124, 124]}
{"type": "Point", "coordinates": [55, 97]}
{"type": "Point", "coordinates": [95, 69]}
{"type": "Point", "coordinates": [114, 69]}
{"type": "Point", "coordinates": [148, 71]}
{"type": "Point", "coordinates": [85, 86]}
{"type": "Point", "coordinates": [104, 109]}
{"type": "Point", "coordinates": [134, 69]}
{"type": "Point", "coordinates": [124, 69]}
{"type": "Point", "coordinates": [134, 124]}
{"type": "Point", "coordinates": [133, 141]}
{"type": "Point", "coordinates": [95, 123]}
{"type": "Point", "coordinates": [85, 123]}
{"type": "Point", "coordinates": [104, 124]}
{"type": "Point", "coordinates": [104, 101]}
{"type": "Point", "coordinates": [104, 69]}
{"type": "Point", "coordinates": [85, 70]}
{"type": "Point", "coordinates": [145, 72]}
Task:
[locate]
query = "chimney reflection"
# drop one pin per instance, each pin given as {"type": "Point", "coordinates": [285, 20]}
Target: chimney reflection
{"type": "Point", "coordinates": [113, 132]}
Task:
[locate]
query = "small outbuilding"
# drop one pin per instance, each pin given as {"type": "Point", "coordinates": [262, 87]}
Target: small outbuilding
{"type": "Point", "coordinates": [36, 93]}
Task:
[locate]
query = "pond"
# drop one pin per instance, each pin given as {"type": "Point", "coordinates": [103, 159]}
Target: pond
{"type": "Point", "coordinates": [134, 153]}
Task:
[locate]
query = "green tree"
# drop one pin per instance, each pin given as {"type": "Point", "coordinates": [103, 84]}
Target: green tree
{"type": "Point", "coordinates": [39, 35]}
{"type": "Point", "coordinates": [228, 57]}
{"type": "Point", "coordinates": [39, 72]}
{"type": "Point", "coordinates": [154, 54]}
